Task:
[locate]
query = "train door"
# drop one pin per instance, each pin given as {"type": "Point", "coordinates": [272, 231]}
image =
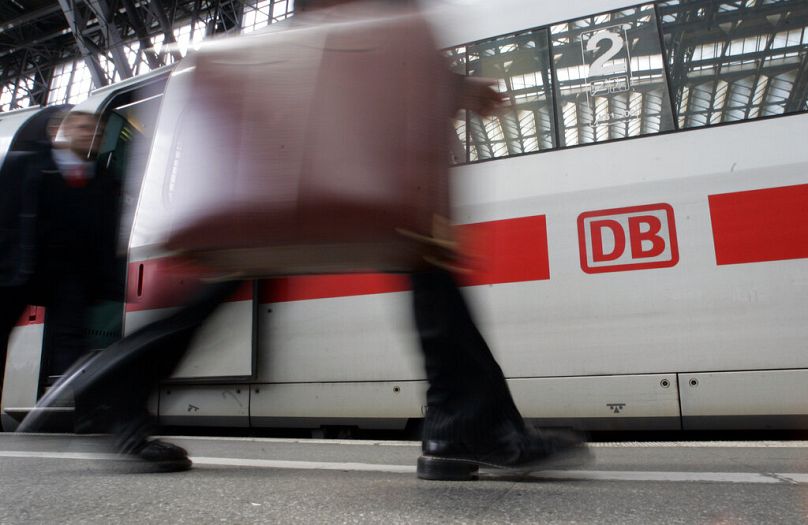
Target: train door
{"type": "Point", "coordinates": [208, 386]}
{"type": "Point", "coordinates": [129, 118]}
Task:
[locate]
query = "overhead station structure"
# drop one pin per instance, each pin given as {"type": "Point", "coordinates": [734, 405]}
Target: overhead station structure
{"type": "Point", "coordinates": [58, 51]}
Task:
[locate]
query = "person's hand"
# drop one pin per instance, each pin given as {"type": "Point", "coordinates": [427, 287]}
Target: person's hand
{"type": "Point", "coordinates": [479, 96]}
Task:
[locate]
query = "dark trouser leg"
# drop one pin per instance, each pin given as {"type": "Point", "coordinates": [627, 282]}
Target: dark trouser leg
{"type": "Point", "coordinates": [66, 338]}
{"type": "Point", "coordinates": [12, 305]}
{"type": "Point", "coordinates": [468, 399]}
{"type": "Point", "coordinates": [137, 364]}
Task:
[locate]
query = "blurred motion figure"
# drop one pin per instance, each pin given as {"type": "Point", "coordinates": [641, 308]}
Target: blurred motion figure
{"type": "Point", "coordinates": [58, 214]}
{"type": "Point", "coordinates": [471, 418]}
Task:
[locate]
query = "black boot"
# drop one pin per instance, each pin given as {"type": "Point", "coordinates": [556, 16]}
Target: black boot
{"type": "Point", "coordinates": [471, 420]}
{"type": "Point", "coordinates": [515, 450]}
{"type": "Point", "coordinates": [141, 454]}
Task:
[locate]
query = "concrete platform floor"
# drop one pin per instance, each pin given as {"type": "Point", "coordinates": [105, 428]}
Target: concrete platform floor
{"type": "Point", "coordinates": [73, 479]}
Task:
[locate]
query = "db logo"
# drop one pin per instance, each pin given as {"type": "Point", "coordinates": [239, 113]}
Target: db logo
{"type": "Point", "coordinates": [622, 239]}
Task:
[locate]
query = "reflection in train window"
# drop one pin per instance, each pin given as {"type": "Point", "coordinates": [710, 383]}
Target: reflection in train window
{"type": "Point", "coordinates": [610, 77]}
{"type": "Point", "coordinates": [521, 63]}
{"type": "Point", "coordinates": [732, 61]}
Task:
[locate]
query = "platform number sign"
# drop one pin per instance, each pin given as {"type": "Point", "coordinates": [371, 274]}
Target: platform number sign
{"type": "Point", "coordinates": [607, 60]}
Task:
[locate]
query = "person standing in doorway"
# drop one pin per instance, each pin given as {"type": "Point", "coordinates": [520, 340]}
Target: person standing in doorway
{"type": "Point", "coordinates": [58, 217]}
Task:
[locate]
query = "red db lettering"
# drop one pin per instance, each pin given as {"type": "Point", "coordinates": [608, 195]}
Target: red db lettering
{"type": "Point", "coordinates": [643, 237]}
{"type": "Point", "coordinates": [596, 227]}
{"type": "Point", "coordinates": [651, 234]}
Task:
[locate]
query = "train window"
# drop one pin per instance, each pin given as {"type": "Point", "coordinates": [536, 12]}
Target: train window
{"type": "Point", "coordinates": [458, 152]}
{"type": "Point", "coordinates": [732, 61]}
{"type": "Point", "coordinates": [610, 77]}
{"type": "Point", "coordinates": [521, 63]}
{"type": "Point", "coordinates": [129, 143]}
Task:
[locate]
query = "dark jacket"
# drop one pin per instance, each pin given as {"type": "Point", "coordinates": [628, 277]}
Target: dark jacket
{"type": "Point", "coordinates": [48, 228]}
{"type": "Point", "coordinates": [19, 190]}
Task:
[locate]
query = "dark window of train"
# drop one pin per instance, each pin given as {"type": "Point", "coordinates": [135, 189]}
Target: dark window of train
{"type": "Point", "coordinates": [521, 64]}
{"type": "Point", "coordinates": [610, 77]}
{"type": "Point", "coordinates": [732, 61]}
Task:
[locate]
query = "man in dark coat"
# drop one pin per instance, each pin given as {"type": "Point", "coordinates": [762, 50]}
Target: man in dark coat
{"type": "Point", "coordinates": [58, 221]}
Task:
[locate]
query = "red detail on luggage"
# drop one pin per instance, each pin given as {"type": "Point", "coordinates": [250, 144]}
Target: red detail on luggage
{"type": "Point", "coordinates": [760, 225]}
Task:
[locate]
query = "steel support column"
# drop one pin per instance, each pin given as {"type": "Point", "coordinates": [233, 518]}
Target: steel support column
{"type": "Point", "coordinates": [76, 25]}
{"type": "Point", "coordinates": [112, 36]}
{"type": "Point", "coordinates": [141, 30]}
{"type": "Point", "coordinates": [159, 12]}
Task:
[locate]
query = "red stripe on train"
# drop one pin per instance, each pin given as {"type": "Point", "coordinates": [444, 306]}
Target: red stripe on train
{"type": "Point", "coordinates": [505, 251]}
{"type": "Point", "coordinates": [167, 282]}
{"type": "Point", "coordinates": [760, 225]}
{"type": "Point", "coordinates": [31, 316]}
{"type": "Point", "coordinates": [305, 287]}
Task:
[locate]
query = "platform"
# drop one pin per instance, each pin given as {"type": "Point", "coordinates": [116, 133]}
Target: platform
{"type": "Point", "coordinates": [71, 479]}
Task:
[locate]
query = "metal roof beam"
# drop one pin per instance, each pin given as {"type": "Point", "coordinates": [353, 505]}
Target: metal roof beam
{"type": "Point", "coordinates": [77, 24]}
{"type": "Point", "coordinates": [799, 94]}
{"type": "Point", "coordinates": [227, 17]}
{"type": "Point", "coordinates": [34, 16]}
{"type": "Point", "coordinates": [112, 36]}
{"type": "Point", "coordinates": [714, 19]}
{"type": "Point", "coordinates": [140, 27]}
{"type": "Point", "coordinates": [157, 9]}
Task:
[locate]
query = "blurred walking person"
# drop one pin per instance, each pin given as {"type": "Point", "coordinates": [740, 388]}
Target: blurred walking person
{"type": "Point", "coordinates": [471, 419]}
{"type": "Point", "coordinates": [58, 221]}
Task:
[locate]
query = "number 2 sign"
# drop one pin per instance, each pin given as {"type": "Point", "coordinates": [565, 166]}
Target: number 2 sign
{"type": "Point", "coordinates": [606, 53]}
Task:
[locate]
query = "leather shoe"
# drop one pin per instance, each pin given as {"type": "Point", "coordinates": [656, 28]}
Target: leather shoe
{"type": "Point", "coordinates": [516, 451]}
{"type": "Point", "coordinates": [156, 456]}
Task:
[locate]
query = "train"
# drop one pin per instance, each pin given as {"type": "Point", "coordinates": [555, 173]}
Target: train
{"type": "Point", "coordinates": [640, 201]}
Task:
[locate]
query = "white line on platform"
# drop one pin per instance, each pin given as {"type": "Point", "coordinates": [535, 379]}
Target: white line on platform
{"type": "Point", "coordinates": [305, 465]}
{"type": "Point", "coordinates": [621, 444]}
{"type": "Point", "coordinates": [302, 441]}
{"type": "Point", "coordinates": [702, 444]}
{"type": "Point", "coordinates": [794, 477]}
{"type": "Point", "coordinates": [577, 475]}
{"type": "Point", "coordinates": [306, 441]}
{"type": "Point", "coordinates": [228, 462]}
{"type": "Point", "coordinates": [58, 455]}
{"type": "Point", "coordinates": [642, 475]}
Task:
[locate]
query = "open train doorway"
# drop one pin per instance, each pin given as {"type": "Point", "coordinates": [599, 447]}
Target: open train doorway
{"type": "Point", "coordinates": [128, 119]}
{"type": "Point", "coordinates": [128, 112]}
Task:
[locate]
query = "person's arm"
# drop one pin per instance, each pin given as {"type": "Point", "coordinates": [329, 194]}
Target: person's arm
{"type": "Point", "coordinates": [478, 95]}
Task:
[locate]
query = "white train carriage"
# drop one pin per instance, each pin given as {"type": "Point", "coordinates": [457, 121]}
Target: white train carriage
{"type": "Point", "coordinates": [639, 206]}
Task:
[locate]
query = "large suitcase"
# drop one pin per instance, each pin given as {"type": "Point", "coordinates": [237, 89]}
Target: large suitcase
{"type": "Point", "coordinates": [320, 148]}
